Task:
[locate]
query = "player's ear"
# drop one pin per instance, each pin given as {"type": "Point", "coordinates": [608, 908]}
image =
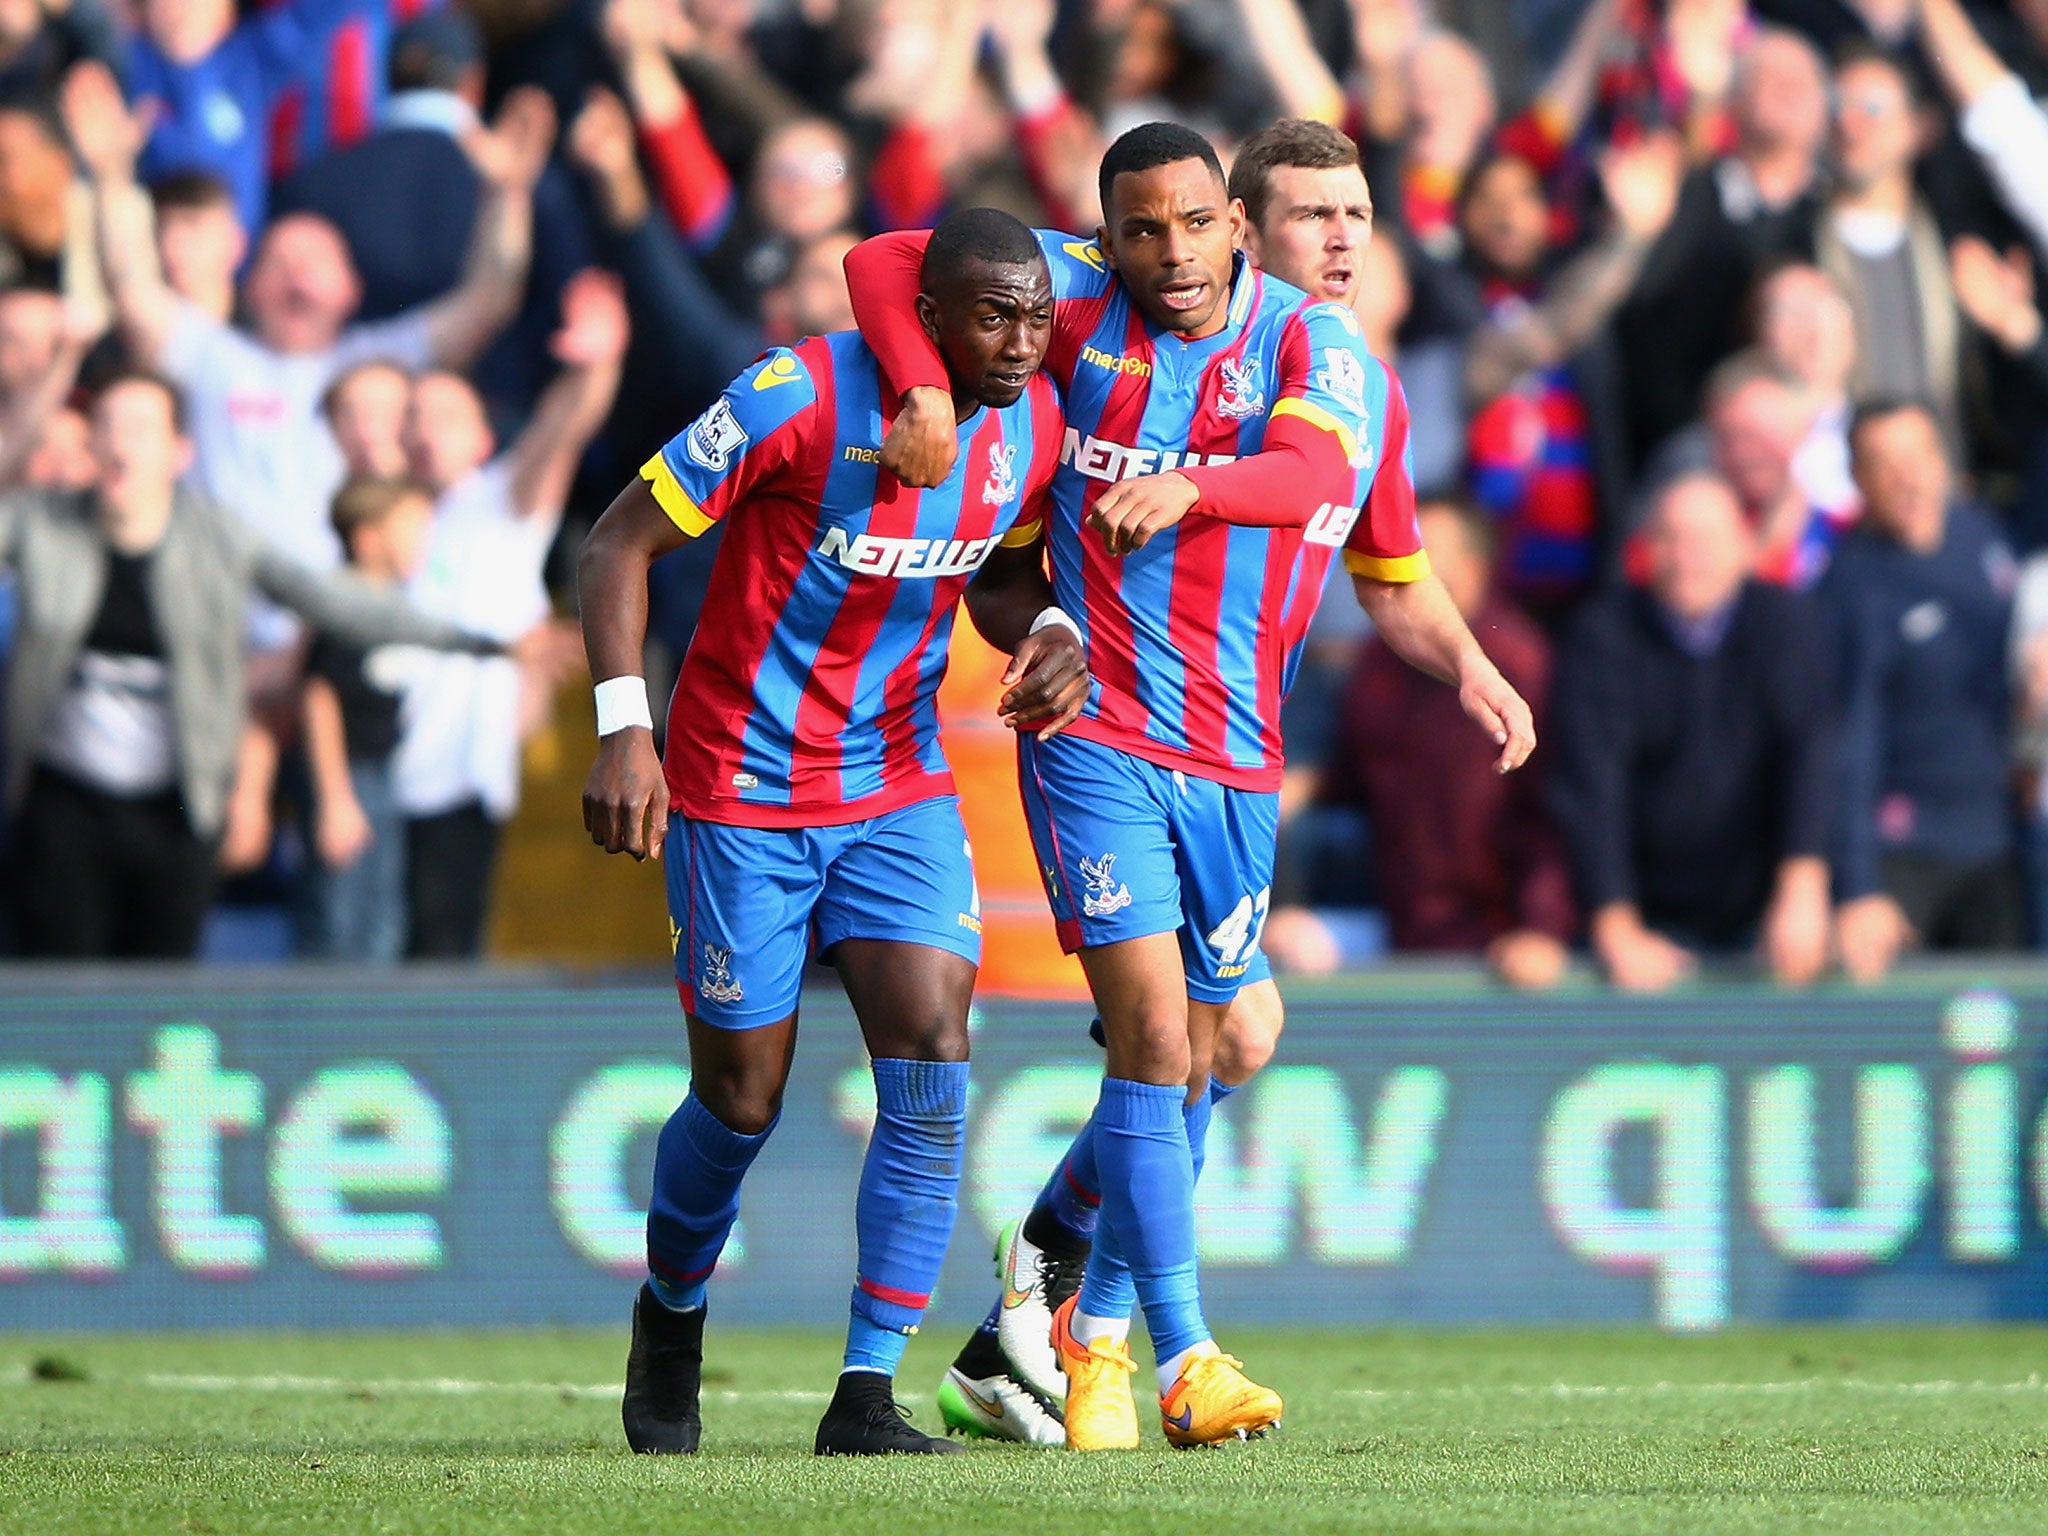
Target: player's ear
{"type": "Point", "coordinates": [1102, 244]}
{"type": "Point", "coordinates": [928, 316]}
{"type": "Point", "coordinates": [1240, 226]}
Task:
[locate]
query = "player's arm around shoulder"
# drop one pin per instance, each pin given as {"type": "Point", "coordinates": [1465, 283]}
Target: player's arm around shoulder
{"type": "Point", "coordinates": [753, 430]}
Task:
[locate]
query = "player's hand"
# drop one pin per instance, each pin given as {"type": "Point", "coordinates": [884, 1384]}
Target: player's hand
{"type": "Point", "coordinates": [1130, 512]}
{"type": "Point", "coordinates": [1047, 681]}
{"type": "Point", "coordinates": [923, 440]}
{"type": "Point", "coordinates": [1492, 703]}
{"type": "Point", "coordinates": [625, 799]}
{"type": "Point", "coordinates": [1870, 932]}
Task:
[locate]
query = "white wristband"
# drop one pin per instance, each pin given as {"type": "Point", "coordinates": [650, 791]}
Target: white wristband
{"type": "Point", "coordinates": [1047, 617]}
{"type": "Point", "coordinates": [622, 702]}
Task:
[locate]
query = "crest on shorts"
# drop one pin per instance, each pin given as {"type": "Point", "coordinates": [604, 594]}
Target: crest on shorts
{"type": "Point", "coordinates": [1105, 893]}
{"type": "Point", "coordinates": [1002, 475]}
{"type": "Point", "coordinates": [1242, 394]}
{"type": "Point", "coordinates": [716, 981]}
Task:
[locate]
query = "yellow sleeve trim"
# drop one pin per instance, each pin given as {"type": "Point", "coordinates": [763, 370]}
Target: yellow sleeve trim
{"type": "Point", "coordinates": [1024, 534]}
{"type": "Point", "coordinates": [673, 499]}
{"type": "Point", "coordinates": [1398, 569]}
{"type": "Point", "coordinates": [1316, 416]}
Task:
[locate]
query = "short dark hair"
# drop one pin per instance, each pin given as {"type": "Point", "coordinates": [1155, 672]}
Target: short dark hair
{"type": "Point", "coordinates": [1481, 529]}
{"type": "Point", "coordinates": [1292, 142]}
{"type": "Point", "coordinates": [1878, 407]}
{"type": "Point", "coordinates": [1150, 145]}
{"type": "Point", "coordinates": [1864, 50]}
{"type": "Point", "coordinates": [190, 191]}
{"type": "Point", "coordinates": [366, 500]}
{"type": "Point", "coordinates": [976, 237]}
{"type": "Point", "coordinates": [151, 379]}
{"type": "Point", "coordinates": [332, 395]}
{"type": "Point", "coordinates": [435, 51]}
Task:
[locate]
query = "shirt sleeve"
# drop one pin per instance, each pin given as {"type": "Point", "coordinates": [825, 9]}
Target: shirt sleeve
{"type": "Point", "coordinates": [1320, 451]}
{"type": "Point", "coordinates": [196, 347]}
{"type": "Point", "coordinates": [752, 430]}
{"type": "Point", "coordinates": [2009, 132]}
{"type": "Point", "coordinates": [882, 278]}
{"type": "Point", "coordinates": [1386, 541]}
{"type": "Point", "coordinates": [405, 339]}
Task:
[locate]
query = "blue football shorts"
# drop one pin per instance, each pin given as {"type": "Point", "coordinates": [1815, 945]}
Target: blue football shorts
{"type": "Point", "coordinates": [747, 905]}
{"type": "Point", "coordinates": [1129, 848]}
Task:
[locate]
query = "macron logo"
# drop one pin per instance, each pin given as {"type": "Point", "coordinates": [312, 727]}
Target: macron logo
{"type": "Point", "coordinates": [872, 554]}
{"type": "Point", "coordinates": [1098, 460]}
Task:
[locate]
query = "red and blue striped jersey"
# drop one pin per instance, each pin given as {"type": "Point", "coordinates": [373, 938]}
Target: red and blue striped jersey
{"type": "Point", "coordinates": [809, 695]}
{"type": "Point", "coordinates": [1194, 640]}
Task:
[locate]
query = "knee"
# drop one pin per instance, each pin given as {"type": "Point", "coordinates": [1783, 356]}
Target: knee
{"type": "Point", "coordinates": [1249, 1036]}
{"type": "Point", "coordinates": [744, 1103]}
{"type": "Point", "coordinates": [1150, 1044]}
{"type": "Point", "coordinates": [941, 1037]}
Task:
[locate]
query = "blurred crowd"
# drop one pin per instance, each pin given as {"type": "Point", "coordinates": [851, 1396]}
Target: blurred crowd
{"type": "Point", "coordinates": [1718, 324]}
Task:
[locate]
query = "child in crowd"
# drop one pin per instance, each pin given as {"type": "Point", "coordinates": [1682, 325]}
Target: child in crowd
{"type": "Point", "coordinates": [355, 905]}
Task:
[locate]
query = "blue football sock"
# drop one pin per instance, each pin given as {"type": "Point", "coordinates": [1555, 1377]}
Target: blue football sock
{"type": "Point", "coordinates": [1111, 1275]}
{"type": "Point", "coordinates": [1148, 1209]}
{"type": "Point", "coordinates": [1072, 1197]}
{"type": "Point", "coordinates": [993, 1323]}
{"type": "Point", "coordinates": [1198, 1116]}
{"type": "Point", "coordinates": [909, 1193]}
{"type": "Point", "coordinates": [699, 1162]}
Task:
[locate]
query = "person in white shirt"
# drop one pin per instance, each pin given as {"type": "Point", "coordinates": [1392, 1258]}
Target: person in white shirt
{"type": "Point", "coordinates": [262, 447]}
{"type": "Point", "coordinates": [456, 770]}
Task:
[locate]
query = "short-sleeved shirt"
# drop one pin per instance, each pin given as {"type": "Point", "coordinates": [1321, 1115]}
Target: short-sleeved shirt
{"type": "Point", "coordinates": [459, 725]}
{"type": "Point", "coordinates": [1194, 639]}
{"type": "Point", "coordinates": [809, 696]}
{"type": "Point", "coordinates": [261, 447]}
{"type": "Point", "coordinates": [367, 688]}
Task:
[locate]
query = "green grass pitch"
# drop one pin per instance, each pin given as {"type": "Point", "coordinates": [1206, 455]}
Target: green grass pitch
{"type": "Point", "coordinates": [1795, 1430]}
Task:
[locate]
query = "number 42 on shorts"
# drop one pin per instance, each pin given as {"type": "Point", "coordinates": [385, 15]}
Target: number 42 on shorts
{"type": "Point", "coordinates": [1236, 939]}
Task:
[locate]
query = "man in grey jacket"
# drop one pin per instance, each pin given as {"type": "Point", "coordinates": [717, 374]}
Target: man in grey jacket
{"type": "Point", "coordinates": [126, 699]}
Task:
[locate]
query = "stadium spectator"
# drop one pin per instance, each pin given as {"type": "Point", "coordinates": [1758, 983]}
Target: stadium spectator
{"type": "Point", "coordinates": [1530, 430]}
{"type": "Point", "coordinates": [353, 907]}
{"type": "Point", "coordinates": [219, 85]}
{"type": "Point", "coordinates": [41, 346]}
{"type": "Point", "coordinates": [1995, 114]}
{"type": "Point", "coordinates": [1922, 594]}
{"type": "Point", "coordinates": [200, 241]}
{"type": "Point", "coordinates": [1878, 241]}
{"type": "Point", "coordinates": [407, 198]}
{"type": "Point", "coordinates": [1465, 858]}
{"type": "Point", "coordinates": [1735, 214]}
{"type": "Point", "coordinates": [365, 409]}
{"type": "Point", "coordinates": [262, 449]}
{"type": "Point", "coordinates": [1693, 744]}
{"type": "Point", "coordinates": [1758, 431]}
{"type": "Point", "coordinates": [125, 700]}
{"type": "Point", "coordinates": [40, 41]}
{"type": "Point", "coordinates": [687, 341]}
{"type": "Point", "coordinates": [39, 199]}
{"type": "Point", "coordinates": [1803, 323]}
{"type": "Point", "coordinates": [456, 770]}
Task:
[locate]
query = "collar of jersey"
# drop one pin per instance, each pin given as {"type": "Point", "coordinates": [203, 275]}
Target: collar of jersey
{"type": "Point", "coordinates": [1244, 283]}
